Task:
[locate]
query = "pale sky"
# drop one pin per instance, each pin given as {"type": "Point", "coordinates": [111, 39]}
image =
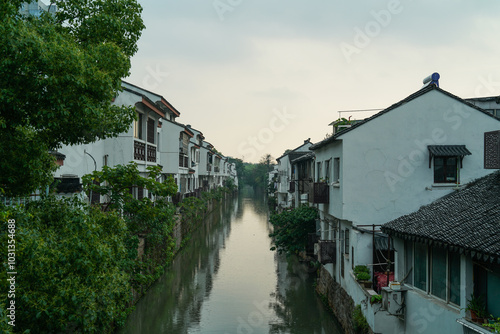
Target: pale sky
{"type": "Point", "coordinates": [259, 77]}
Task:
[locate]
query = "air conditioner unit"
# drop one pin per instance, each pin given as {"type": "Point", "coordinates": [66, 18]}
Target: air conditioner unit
{"type": "Point", "coordinates": [393, 300]}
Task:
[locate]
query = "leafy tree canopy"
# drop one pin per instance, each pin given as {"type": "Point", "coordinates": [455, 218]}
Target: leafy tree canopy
{"type": "Point", "coordinates": [291, 228]}
{"type": "Point", "coordinates": [60, 74]}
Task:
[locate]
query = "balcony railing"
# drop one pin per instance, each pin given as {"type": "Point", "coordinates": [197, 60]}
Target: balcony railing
{"type": "Point", "coordinates": [139, 151]}
{"type": "Point", "coordinates": [312, 238]}
{"type": "Point", "coordinates": [183, 161]}
{"type": "Point", "coordinates": [216, 169]}
{"type": "Point", "coordinates": [304, 186]}
{"type": "Point", "coordinates": [151, 153]}
{"type": "Point", "coordinates": [319, 193]}
{"type": "Point", "coordinates": [327, 251]}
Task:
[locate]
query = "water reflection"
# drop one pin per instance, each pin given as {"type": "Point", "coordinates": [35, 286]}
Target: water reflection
{"type": "Point", "coordinates": [227, 280]}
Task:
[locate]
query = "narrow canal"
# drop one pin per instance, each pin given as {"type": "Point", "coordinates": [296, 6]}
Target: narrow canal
{"type": "Point", "coordinates": [226, 280]}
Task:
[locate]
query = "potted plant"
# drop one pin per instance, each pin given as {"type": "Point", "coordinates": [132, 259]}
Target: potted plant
{"type": "Point", "coordinates": [375, 299]}
{"type": "Point", "coordinates": [494, 325]}
{"type": "Point", "coordinates": [363, 276]}
{"type": "Point", "coordinates": [475, 305]}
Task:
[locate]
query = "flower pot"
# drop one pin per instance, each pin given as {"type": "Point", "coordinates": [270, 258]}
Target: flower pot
{"type": "Point", "coordinates": [366, 284]}
{"type": "Point", "coordinates": [473, 315]}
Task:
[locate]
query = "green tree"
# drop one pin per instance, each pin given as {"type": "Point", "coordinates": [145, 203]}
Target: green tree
{"type": "Point", "coordinates": [145, 217]}
{"type": "Point", "coordinates": [60, 74]}
{"type": "Point", "coordinates": [257, 175]}
{"type": "Point", "coordinates": [72, 265]}
{"type": "Point", "coordinates": [291, 228]}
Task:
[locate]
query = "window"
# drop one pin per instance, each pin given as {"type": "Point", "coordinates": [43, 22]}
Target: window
{"type": "Point", "coordinates": [327, 170]}
{"type": "Point", "coordinates": [409, 262]}
{"type": "Point", "coordinates": [336, 170]}
{"type": "Point", "coordinates": [438, 273]}
{"type": "Point", "coordinates": [446, 170]}
{"type": "Point", "coordinates": [420, 266]}
{"type": "Point", "coordinates": [151, 131]}
{"type": "Point", "coordinates": [346, 236]}
{"type": "Point", "coordinates": [138, 126]}
{"type": "Point", "coordinates": [436, 266]}
{"type": "Point", "coordinates": [454, 274]}
{"type": "Point", "coordinates": [447, 162]}
{"type": "Point", "coordinates": [319, 176]}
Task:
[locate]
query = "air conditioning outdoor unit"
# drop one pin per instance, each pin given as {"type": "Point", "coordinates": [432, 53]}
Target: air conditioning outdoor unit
{"type": "Point", "coordinates": [394, 300]}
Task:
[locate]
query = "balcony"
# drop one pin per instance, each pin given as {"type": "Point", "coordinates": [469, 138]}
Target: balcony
{"type": "Point", "coordinates": [139, 151]}
{"type": "Point", "coordinates": [183, 161]}
{"type": "Point", "coordinates": [319, 193]}
{"type": "Point", "coordinates": [327, 251]}
{"type": "Point", "coordinates": [151, 150]}
{"type": "Point", "coordinates": [312, 238]}
{"type": "Point", "coordinates": [304, 186]}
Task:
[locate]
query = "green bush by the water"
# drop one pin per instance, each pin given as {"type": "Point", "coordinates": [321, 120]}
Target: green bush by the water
{"type": "Point", "coordinates": [71, 263]}
{"type": "Point", "coordinates": [291, 228]}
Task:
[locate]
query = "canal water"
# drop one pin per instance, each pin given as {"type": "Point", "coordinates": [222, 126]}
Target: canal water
{"type": "Point", "coordinates": [227, 281]}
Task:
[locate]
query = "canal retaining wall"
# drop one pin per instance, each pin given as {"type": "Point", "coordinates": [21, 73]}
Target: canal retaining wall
{"type": "Point", "coordinates": [156, 259]}
{"type": "Point", "coordinates": [339, 301]}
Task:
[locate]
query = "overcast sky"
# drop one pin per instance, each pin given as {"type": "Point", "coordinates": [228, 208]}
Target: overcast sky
{"type": "Point", "coordinates": [259, 77]}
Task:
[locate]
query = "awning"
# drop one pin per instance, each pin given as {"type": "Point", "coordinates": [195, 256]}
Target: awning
{"type": "Point", "coordinates": [381, 242]}
{"type": "Point", "coordinates": [447, 151]}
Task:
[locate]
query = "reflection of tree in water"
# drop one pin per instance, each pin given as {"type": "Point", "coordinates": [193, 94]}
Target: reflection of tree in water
{"type": "Point", "coordinates": [295, 304]}
{"type": "Point", "coordinates": [174, 303]}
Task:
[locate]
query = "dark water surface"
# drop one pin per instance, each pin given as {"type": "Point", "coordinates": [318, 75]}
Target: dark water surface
{"type": "Point", "coordinates": [226, 280]}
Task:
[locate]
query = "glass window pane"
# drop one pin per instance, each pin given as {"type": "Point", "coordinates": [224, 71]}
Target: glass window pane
{"type": "Point", "coordinates": [438, 274]}
{"type": "Point", "coordinates": [346, 241]}
{"type": "Point", "coordinates": [409, 262]}
{"type": "Point", "coordinates": [454, 262]}
{"type": "Point", "coordinates": [420, 266]}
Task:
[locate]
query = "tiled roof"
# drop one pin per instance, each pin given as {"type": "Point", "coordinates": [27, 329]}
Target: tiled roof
{"type": "Point", "coordinates": [307, 156]}
{"type": "Point", "coordinates": [295, 155]}
{"type": "Point", "coordinates": [394, 106]}
{"type": "Point", "coordinates": [467, 221]}
{"type": "Point", "coordinates": [307, 141]}
{"type": "Point", "coordinates": [448, 150]}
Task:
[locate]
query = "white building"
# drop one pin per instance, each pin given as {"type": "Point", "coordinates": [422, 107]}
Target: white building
{"type": "Point", "coordinates": [285, 183]}
{"type": "Point", "coordinates": [406, 156]}
{"type": "Point", "coordinates": [447, 252]}
{"type": "Point", "coordinates": [154, 139]}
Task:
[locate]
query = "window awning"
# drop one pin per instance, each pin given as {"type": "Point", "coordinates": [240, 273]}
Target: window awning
{"type": "Point", "coordinates": [447, 151]}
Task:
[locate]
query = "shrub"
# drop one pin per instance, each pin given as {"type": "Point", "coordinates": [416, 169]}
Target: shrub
{"type": "Point", "coordinates": [72, 260]}
{"type": "Point", "coordinates": [359, 321]}
{"type": "Point", "coordinates": [291, 228]}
